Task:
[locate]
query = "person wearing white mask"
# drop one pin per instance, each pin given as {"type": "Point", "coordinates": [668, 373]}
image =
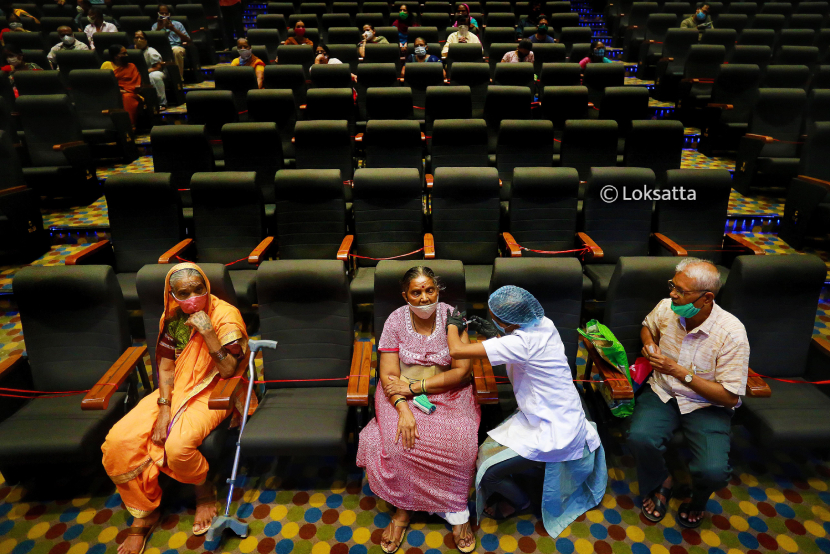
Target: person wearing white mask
{"type": "Point", "coordinates": [415, 460]}
{"type": "Point", "coordinates": [247, 59]}
{"type": "Point", "coordinates": [549, 433]}
{"type": "Point", "coordinates": [67, 42]}
{"type": "Point", "coordinates": [155, 66]}
{"type": "Point", "coordinates": [369, 37]}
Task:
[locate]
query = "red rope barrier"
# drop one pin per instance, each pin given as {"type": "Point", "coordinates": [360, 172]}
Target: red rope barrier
{"type": "Point", "coordinates": [390, 258]}
{"type": "Point", "coordinates": [581, 250]}
{"type": "Point", "coordinates": [237, 261]}
{"type": "Point", "coordinates": [795, 381]}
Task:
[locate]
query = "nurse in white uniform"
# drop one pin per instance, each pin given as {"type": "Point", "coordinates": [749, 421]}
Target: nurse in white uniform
{"type": "Point", "coordinates": [548, 430]}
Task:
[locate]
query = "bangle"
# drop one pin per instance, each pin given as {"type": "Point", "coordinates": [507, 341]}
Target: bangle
{"type": "Point", "coordinates": [401, 399]}
{"type": "Point", "coordinates": [163, 401]}
{"type": "Point", "coordinates": [410, 389]}
{"type": "Point", "coordinates": [423, 386]}
{"type": "Point", "coordinates": [219, 355]}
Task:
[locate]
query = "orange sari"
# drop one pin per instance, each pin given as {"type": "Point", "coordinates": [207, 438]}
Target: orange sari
{"type": "Point", "coordinates": [131, 459]}
{"type": "Point", "coordinates": [129, 81]}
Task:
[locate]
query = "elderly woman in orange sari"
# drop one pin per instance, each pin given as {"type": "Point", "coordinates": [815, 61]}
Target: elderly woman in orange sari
{"type": "Point", "coordinates": [129, 79]}
{"type": "Point", "coordinates": [201, 338]}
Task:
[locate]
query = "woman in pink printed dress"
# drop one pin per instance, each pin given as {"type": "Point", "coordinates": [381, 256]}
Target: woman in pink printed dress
{"type": "Point", "coordinates": [417, 461]}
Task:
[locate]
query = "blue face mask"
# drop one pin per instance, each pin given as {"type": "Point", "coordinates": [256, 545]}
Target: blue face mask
{"type": "Point", "coordinates": [701, 16]}
{"type": "Point", "coordinates": [499, 327]}
{"type": "Point", "coordinates": [600, 52]}
{"type": "Point", "coordinates": [420, 50]}
{"type": "Point", "coordinates": [686, 310]}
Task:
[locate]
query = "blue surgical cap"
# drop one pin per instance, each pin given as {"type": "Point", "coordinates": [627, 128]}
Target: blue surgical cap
{"type": "Point", "coordinates": [515, 305]}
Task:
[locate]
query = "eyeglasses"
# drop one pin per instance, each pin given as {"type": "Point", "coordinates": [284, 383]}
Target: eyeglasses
{"type": "Point", "coordinates": [681, 292]}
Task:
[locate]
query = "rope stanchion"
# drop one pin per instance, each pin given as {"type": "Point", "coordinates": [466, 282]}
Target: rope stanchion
{"type": "Point", "coordinates": [390, 258]}
{"type": "Point", "coordinates": [795, 381]}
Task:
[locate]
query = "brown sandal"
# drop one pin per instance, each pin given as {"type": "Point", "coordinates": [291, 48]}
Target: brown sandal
{"type": "Point", "coordinates": [400, 541]}
{"type": "Point", "coordinates": [469, 548]}
{"type": "Point", "coordinates": [144, 532]}
{"type": "Point", "coordinates": [209, 499]}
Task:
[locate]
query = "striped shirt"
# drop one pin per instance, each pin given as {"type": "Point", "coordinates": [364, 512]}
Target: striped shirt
{"type": "Point", "coordinates": [717, 350]}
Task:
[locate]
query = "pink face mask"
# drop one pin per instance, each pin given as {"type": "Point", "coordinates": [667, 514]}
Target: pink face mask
{"type": "Point", "coordinates": [193, 304]}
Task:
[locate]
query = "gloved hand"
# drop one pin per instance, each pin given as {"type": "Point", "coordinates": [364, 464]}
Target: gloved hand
{"type": "Point", "coordinates": [483, 326]}
{"type": "Point", "coordinates": [456, 318]}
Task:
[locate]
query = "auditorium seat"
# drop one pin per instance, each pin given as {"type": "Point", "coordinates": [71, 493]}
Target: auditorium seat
{"type": "Point", "coordinates": [330, 104]}
{"type": "Point", "coordinates": [382, 54]}
{"type": "Point", "coordinates": [735, 20]}
{"type": "Point", "coordinates": [302, 55]}
{"type": "Point", "coordinates": [374, 75]}
{"type": "Point", "coordinates": [346, 53]}
{"type": "Point", "coordinates": [724, 37]}
{"type": "Point", "coordinates": [325, 145]}
{"type": "Point", "coordinates": [669, 69]}
{"type": "Point", "coordinates": [272, 21]}
{"type": "Point", "coordinates": [213, 109]}
{"type": "Point", "coordinates": [598, 76]}
{"type": "Point", "coordinates": [343, 35]}
{"type": "Point", "coordinates": [330, 76]}
{"type": "Point", "coordinates": [145, 220]}
{"type": "Point", "coordinates": [547, 53]}
{"type": "Point", "coordinates": [651, 50]}
{"type": "Point", "coordinates": [757, 37]}
{"type": "Point", "coordinates": [181, 150]}
{"type": "Point", "coordinates": [656, 145]}
{"type": "Point", "coordinates": [505, 102]}
{"type": "Point", "coordinates": [255, 147]}
{"type": "Point", "coordinates": [418, 77]}
{"type": "Point", "coordinates": [727, 115]}
{"type": "Point", "coordinates": [776, 22]}
{"type": "Point", "coordinates": [775, 298]}
{"type": "Point", "coordinates": [587, 144]}
{"type": "Point", "coordinates": [389, 222]}
{"type": "Point", "coordinates": [447, 102]}
{"type": "Point", "coordinates": [559, 104]}
{"type": "Point", "coordinates": [496, 35]}
{"type": "Point", "coordinates": [103, 42]}
{"type": "Point", "coordinates": [458, 143]}
{"type": "Point", "coordinates": [515, 75]}
{"type": "Point", "coordinates": [275, 106]}
{"type": "Point", "coordinates": [39, 82]}
{"type": "Point", "coordinates": [618, 228]}
{"type": "Point", "coordinates": [68, 60]}
{"type": "Point", "coordinates": [796, 37]}
{"type": "Point", "coordinates": [286, 77]}
{"type": "Point", "coordinates": [269, 38]}
{"type": "Point", "coordinates": [758, 55]}
{"type": "Point", "coordinates": [522, 143]}
{"type": "Point", "coordinates": [389, 103]}
{"type": "Point", "coordinates": [393, 144]}
{"type": "Point", "coordinates": [635, 27]}
{"type": "Point", "coordinates": [797, 55]}
{"type": "Point", "coordinates": [560, 75]}
{"type": "Point", "coordinates": [701, 68]}
{"type": "Point", "coordinates": [624, 105]}
{"type": "Point", "coordinates": [474, 75]}
{"type": "Point", "coordinates": [238, 80]}
{"type": "Point", "coordinates": [786, 77]}
{"type": "Point", "coordinates": [70, 345]}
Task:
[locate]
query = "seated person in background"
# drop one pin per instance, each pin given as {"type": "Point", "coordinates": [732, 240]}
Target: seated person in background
{"type": "Point", "coordinates": [8, 9]}
{"type": "Point", "coordinates": [462, 14]}
{"type": "Point", "coordinates": [700, 356]}
{"type": "Point", "coordinates": [421, 56]}
{"type": "Point", "coordinates": [322, 57]}
{"type": "Point", "coordinates": [299, 38]}
{"type": "Point", "coordinates": [176, 34]}
{"type": "Point", "coordinates": [369, 37]}
{"type": "Point", "coordinates": [200, 340]}
{"type": "Point", "coordinates": [597, 55]}
{"type": "Point", "coordinates": [14, 57]}
{"type": "Point", "coordinates": [129, 79]}
{"type": "Point", "coordinates": [700, 20]}
{"type": "Point", "coordinates": [67, 43]}
{"type": "Point", "coordinates": [541, 34]}
{"type": "Point", "coordinates": [247, 59]}
{"type": "Point", "coordinates": [522, 53]}
{"type": "Point", "coordinates": [417, 461]}
{"type": "Point", "coordinates": [97, 25]}
{"type": "Point", "coordinates": [81, 20]}
{"type": "Point", "coordinates": [68, 10]}
{"type": "Point", "coordinates": [404, 21]}
{"type": "Point", "coordinates": [549, 431]}
{"type": "Point", "coordinates": [531, 19]}
{"type": "Point", "coordinates": [460, 36]}
{"type": "Point", "coordinates": [15, 25]}
{"type": "Point", "coordinates": [155, 66]}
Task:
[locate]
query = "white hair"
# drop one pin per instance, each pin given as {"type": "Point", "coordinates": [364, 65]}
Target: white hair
{"type": "Point", "coordinates": [186, 273]}
{"type": "Point", "coordinates": [704, 273]}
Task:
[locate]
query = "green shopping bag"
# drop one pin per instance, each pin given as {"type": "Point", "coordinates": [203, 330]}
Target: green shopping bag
{"type": "Point", "coordinates": [610, 349]}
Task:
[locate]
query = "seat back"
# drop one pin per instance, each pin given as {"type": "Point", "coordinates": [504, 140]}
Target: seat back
{"type": "Point", "coordinates": [786, 76]}
{"type": "Point", "coordinates": [575, 35]}
{"type": "Point", "coordinates": [344, 35]}
{"type": "Point", "coordinates": [587, 144]}
{"type": "Point", "coordinates": [657, 145]}
{"type": "Point", "coordinates": [464, 53]}
{"type": "Point", "coordinates": [543, 208]}
{"type": "Point", "coordinates": [743, 8]}
{"type": "Point", "coordinates": [149, 284]}
{"type": "Point", "coordinates": [329, 21]}
{"type": "Point", "coordinates": [560, 75]}
{"type": "Point", "coordinates": [459, 143]}
{"type": "Point", "coordinates": [273, 21]}
{"type": "Point", "coordinates": [704, 61]}
{"type": "Point", "coordinates": [474, 75]}
{"type": "Point", "coordinates": [560, 104]}
{"type": "Point", "coordinates": [465, 214]}
{"type": "Point", "coordinates": [778, 113]}
{"type": "Point", "coordinates": [388, 213]}
{"type": "Point", "coordinates": [818, 110]}
{"type": "Point", "coordinates": [737, 21]}
{"type": "Point", "coordinates": [448, 102]}
{"type": "Point", "coordinates": [429, 34]}
{"type": "Point", "coordinates": [213, 109]}
{"type": "Point", "coordinates": [624, 105]}
{"type": "Point", "coordinates": [497, 52]}
{"type": "Point", "coordinates": [598, 76]}
{"type": "Point", "coordinates": [523, 143]}
{"type": "Point", "coordinates": [39, 82]}
{"type": "Point", "coordinates": [25, 41]}
{"type": "Point", "coordinates": [330, 104]}
{"type": "Point", "coordinates": [548, 53]}
{"type": "Point", "coordinates": [331, 76]}
{"type": "Point", "coordinates": [238, 80]}
{"type": "Point", "coordinates": [757, 55]}
{"type": "Point", "coordinates": [514, 74]}
{"type": "Point", "coordinates": [796, 37]}
{"type": "Point", "coordinates": [47, 120]}
{"type": "Point", "coordinates": [389, 103]}
{"type": "Point", "coordinates": [797, 55]}
{"type": "Point", "coordinates": [621, 227]}
{"type": "Point", "coordinates": [698, 225]}
{"type": "Point", "coordinates": [393, 144]}
{"type": "Point", "coordinates": [104, 40]}
{"type": "Point", "coordinates": [75, 322]}
{"type": "Point", "coordinates": [69, 60]}
{"type": "Point", "coordinates": [637, 285]}
{"type": "Point", "coordinates": [493, 35]}
{"type": "Point", "coordinates": [737, 84]}
{"type": "Point", "coordinates": [50, 24]}
{"type": "Point", "coordinates": [292, 54]}
{"type": "Point", "coordinates": [503, 102]}
{"type": "Point", "coordinates": [274, 106]}
{"type": "Point", "coordinates": [290, 77]}
{"type": "Point", "coordinates": [775, 22]}
{"type": "Point", "coordinates": [757, 37]}
{"type": "Point", "coordinates": [556, 284]}
{"type": "Point", "coordinates": [814, 152]}
{"type": "Point", "coordinates": [311, 213]}
{"type": "Point", "coordinates": [324, 145]}
{"type": "Point", "coordinates": [383, 54]}
{"type": "Point", "coordinates": [181, 150]}
{"type": "Point", "coordinates": [724, 37]}
{"type": "Point", "coordinates": [388, 288]}
{"type": "Point", "coordinates": [145, 216]}
{"type": "Point", "coordinates": [775, 298]}
{"type": "Point", "coordinates": [810, 21]}
{"type": "Point", "coordinates": [254, 147]}
{"type": "Point", "coordinates": [269, 38]}
{"type": "Point", "coordinates": [418, 77]}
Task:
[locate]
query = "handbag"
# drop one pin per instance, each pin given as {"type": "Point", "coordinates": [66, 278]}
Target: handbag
{"type": "Point", "coordinates": [610, 349]}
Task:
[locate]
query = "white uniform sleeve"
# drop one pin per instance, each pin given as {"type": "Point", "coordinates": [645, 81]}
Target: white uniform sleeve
{"type": "Point", "coordinates": [509, 349]}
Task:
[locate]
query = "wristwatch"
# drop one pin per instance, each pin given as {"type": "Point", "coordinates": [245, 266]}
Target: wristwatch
{"type": "Point", "coordinates": [688, 378]}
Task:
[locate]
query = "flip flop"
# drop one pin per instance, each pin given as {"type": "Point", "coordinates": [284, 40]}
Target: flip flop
{"type": "Point", "coordinates": [201, 501]}
{"type": "Point", "coordinates": [686, 508]}
{"type": "Point", "coordinates": [659, 505]}
{"type": "Point", "coordinates": [145, 532]}
{"type": "Point", "coordinates": [400, 541]}
{"type": "Point", "coordinates": [469, 548]}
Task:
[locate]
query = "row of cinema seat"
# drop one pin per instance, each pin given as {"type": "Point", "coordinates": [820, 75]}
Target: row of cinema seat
{"type": "Point", "coordinates": [388, 219]}
{"type": "Point", "coordinates": [305, 305]}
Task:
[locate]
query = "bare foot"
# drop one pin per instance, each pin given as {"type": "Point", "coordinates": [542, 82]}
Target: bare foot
{"type": "Point", "coordinates": [648, 503]}
{"type": "Point", "coordinates": [133, 543]}
{"type": "Point", "coordinates": [506, 510]}
{"type": "Point", "coordinates": [204, 512]}
{"type": "Point", "coordinates": [693, 516]}
{"type": "Point", "coordinates": [463, 535]}
{"type": "Point", "coordinates": [392, 534]}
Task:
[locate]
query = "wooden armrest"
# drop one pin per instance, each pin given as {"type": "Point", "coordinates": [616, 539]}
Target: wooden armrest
{"type": "Point", "coordinates": [721, 106]}
{"type": "Point", "coordinates": [358, 137]}
{"type": "Point", "coordinates": [706, 81]}
{"type": "Point", "coordinates": [429, 246]}
{"type": "Point", "coordinates": [756, 386]}
{"type": "Point", "coordinates": [303, 106]}
{"type": "Point", "coordinates": [665, 60]}
{"type": "Point", "coordinates": [811, 180]}
{"type": "Point", "coordinates": [595, 251]}
{"type": "Point", "coordinates": [484, 382]}
{"type": "Point", "coordinates": [670, 245]}
{"type": "Point", "coordinates": [400, 79]}
{"type": "Point", "coordinates": [512, 245]}
{"type": "Point", "coordinates": [79, 257]}
{"type": "Point", "coordinates": [357, 393]}
{"type": "Point", "coordinates": [11, 190]}
{"type": "Point", "coordinates": [423, 138]}
{"type": "Point", "coordinates": [11, 363]}
{"type": "Point", "coordinates": [293, 140]}
{"type": "Point", "coordinates": [429, 179]}
{"type": "Point", "coordinates": [762, 138]}
{"type": "Point", "coordinates": [257, 255]}
{"type": "Point", "coordinates": [742, 242]}
{"type": "Point", "coordinates": [590, 105]}
{"type": "Point", "coordinates": [613, 381]}
{"type": "Point", "coordinates": [67, 145]}
{"type": "Point", "coordinates": [115, 110]}
{"type": "Point", "coordinates": [345, 248]}
{"type": "Point", "coordinates": [175, 251]}
{"type": "Point", "coordinates": [98, 397]}
{"type": "Point", "coordinates": [822, 344]}
{"type": "Point", "coordinates": [225, 392]}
